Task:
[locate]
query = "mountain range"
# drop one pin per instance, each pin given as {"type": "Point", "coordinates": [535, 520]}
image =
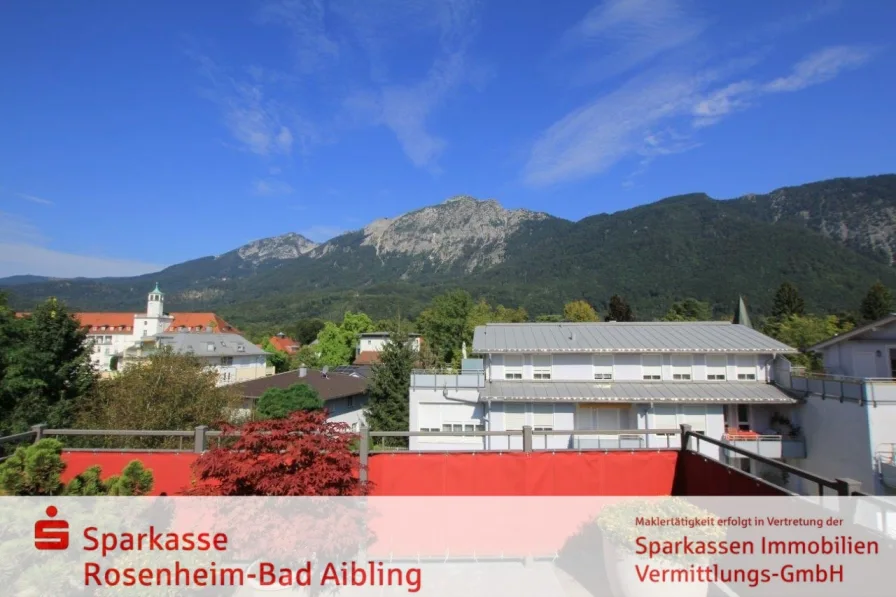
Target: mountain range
{"type": "Point", "coordinates": [832, 239]}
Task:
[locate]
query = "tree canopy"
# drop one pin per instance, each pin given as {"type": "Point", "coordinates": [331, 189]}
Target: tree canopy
{"type": "Point", "coordinates": [689, 310]}
{"type": "Point", "coordinates": [337, 343]}
{"type": "Point", "coordinates": [619, 310]}
{"type": "Point", "coordinates": [389, 387]}
{"type": "Point", "coordinates": [279, 403]}
{"type": "Point", "coordinates": [579, 311]}
{"type": "Point", "coordinates": [877, 304]}
{"type": "Point", "coordinates": [788, 301]}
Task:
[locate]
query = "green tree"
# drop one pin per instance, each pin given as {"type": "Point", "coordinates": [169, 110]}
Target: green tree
{"type": "Point", "coordinates": [445, 325]}
{"type": "Point", "coordinates": [166, 391]}
{"type": "Point", "coordinates": [279, 359]}
{"type": "Point", "coordinates": [788, 301]}
{"type": "Point", "coordinates": [337, 343]}
{"type": "Point", "coordinates": [579, 311]}
{"type": "Point", "coordinates": [35, 469]}
{"type": "Point", "coordinates": [689, 310]}
{"type": "Point", "coordinates": [877, 304]}
{"type": "Point", "coordinates": [305, 331]}
{"type": "Point", "coordinates": [278, 403]}
{"type": "Point", "coordinates": [48, 370]}
{"type": "Point", "coordinates": [134, 480]}
{"type": "Point", "coordinates": [803, 331]}
{"type": "Point", "coordinates": [389, 389]}
{"type": "Point", "coordinates": [11, 337]}
{"type": "Point", "coordinates": [619, 310]}
{"type": "Point", "coordinates": [307, 355]}
{"type": "Point", "coordinates": [549, 318]}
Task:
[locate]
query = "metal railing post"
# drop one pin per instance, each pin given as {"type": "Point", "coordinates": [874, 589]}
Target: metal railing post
{"type": "Point", "coordinates": [847, 487]}
{"type": "Point", "coordinates": [199, 439]}
{"type": "Point", "coordinates": [364, 452]}
{"type": "Point", "coordinates": [38, 431]}
{"type": "Point", "coordinates": [685, 437]}
{"type": "Point", "coordinates": [527, 438]}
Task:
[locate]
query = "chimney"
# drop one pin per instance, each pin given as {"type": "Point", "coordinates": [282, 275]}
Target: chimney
{"type": "Point", "coordinates": [303, 370]}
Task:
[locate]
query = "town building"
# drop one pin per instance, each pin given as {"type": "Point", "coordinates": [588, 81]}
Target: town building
{"type": "Point", "coordinates": [850, 407]}
{"type": "Point", "coordinates": [112, 333]}
{"type": "Point", "coordinates": [284, 343]}
{"type": "Point", "coordinates": [610, 377]}
{"type": "Point", "coordinates": [371, 343]}
{"type": "Point", "coordinates": [234, 358]}
{"type": "Point", "coordinates": [343, 390]}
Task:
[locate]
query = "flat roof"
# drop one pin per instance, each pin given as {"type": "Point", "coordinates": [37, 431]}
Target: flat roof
{"type": "Point", "coordinates": [633, 337]}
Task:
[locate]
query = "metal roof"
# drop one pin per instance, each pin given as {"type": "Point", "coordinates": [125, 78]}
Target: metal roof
{"type": "Point", "coordinates": [224, 344]}
{"type": "Point", "coordinates": [634, 337]}
{"type": "Point", "coordinates": [869, 327]}
{"type": "Point", "coordinates": [711, 392]}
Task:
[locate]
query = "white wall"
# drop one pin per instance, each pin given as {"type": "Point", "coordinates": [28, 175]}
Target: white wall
{"type": "Point", "coordinates": [882, 425]}
{"type": "Point", "coordinates": [431, 408]}
{"type": "Point", "coordinates": [839, 358]}
{"type": "Point", "coordinates": [626, 367]}
{"type": "Point", "coordinates": [347, 410]}
{"type": "Point", "coordinates": [838, 440]}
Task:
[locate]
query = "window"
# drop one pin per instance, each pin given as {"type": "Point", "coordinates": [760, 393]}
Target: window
{"type": "Point", "coordinates": [514, 416]}
{"type": "Point", "coordinates": [210, 346]}
{"type": "Point", "coordinates": [227, 361]}
{"type": "Point", "coordinates": [513, 366]}
{"type": "Point", "coordinates": [746, 367]}
{"type": "Point", "coordinates": [541, 366]}
{"type": "Point", "coordinates": [429, 429]}
{"type": "Point", "coordinates": [681, 367]}
{"type": "Point", "coordinates": [603, 366]}
{"type": "Point", "coordinates": [673, 417]}
{"type": "Point", "coordinates": [716, 367]}
{"type": "Point", "coordinates": [652, 367]}
{"type": "Point", "coordinates": [543, 417]}
{"type": "Point", "coordinates": [665, 417]}
{"type": "Point", "coordinates": [350, 402]}
{"type": "Point", "coordinates": [892, 362]}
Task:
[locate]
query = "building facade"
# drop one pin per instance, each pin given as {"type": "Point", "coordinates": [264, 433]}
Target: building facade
{"type": "Point", "coordinates": [110, 334]}
{"type": "Point", "coordinates": [234, 358]}
{"type": "Point", "coordinates": [851, 406]}
{"type": "Point", "coordinates": [611, 377]}
{"type": "Point", "coordinates": [371, 343]}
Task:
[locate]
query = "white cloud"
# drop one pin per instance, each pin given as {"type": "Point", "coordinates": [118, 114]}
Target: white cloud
{"type": "Point", "coordinates": [322, 233]}
{"type": "Point", "coordinates": [623, 123]}
{"type": "Point", "coordinates": [271, 187]}
{"type": "Point", "coordinates": [305, 19]}
{"type": "Point", "coordinates": [23, 251]}
{"type": "Point", "coordinates": [820, 67]}
{"type": "Point", "coordinates": [34, 199]}
{"type": "Point", "coordinates": [623, 34]}
{"type": "Point", "coordinates": [597, 135]}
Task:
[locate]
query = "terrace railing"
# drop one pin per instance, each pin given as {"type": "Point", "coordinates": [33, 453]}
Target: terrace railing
{"type": "Point", "coordinates": [447, 379]}
{"type": "Point", "coordinates": [859, 390]}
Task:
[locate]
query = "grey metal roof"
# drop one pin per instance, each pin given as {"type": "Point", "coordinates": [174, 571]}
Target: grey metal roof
{"type": "Point", "coordinates": [853, 333]}
{"type": "Point", "coordinates": [226, 345]}
{"type": "Point", "coordinates": [633, 337]}
{"type": "Point", "coordinates": [710, 392]}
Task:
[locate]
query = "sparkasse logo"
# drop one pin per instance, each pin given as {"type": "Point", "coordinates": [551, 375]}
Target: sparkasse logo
{"type": "Point", "coordinates": [51, 534]}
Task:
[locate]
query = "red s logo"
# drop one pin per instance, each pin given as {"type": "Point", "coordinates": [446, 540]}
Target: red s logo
{"type": "Point", "coordinates": [51, 534]}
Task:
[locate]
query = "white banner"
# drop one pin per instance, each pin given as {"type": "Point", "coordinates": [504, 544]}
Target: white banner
{"type": "Point", "coordinates": [447, 546]}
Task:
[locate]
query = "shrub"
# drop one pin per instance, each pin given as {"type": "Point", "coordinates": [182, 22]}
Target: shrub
{"type": "Point", "coordinates": [277, 403]}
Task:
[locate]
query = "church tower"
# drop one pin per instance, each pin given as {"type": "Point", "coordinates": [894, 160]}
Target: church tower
{"type": "Point", "coordinates": [155, 304]}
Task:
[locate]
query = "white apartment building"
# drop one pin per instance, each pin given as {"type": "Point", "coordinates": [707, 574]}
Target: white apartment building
{"type": "Point", "coordinates": [715, 376]}
{"type": "Point", "coordinates": [233, 357]}
{"type": "Point", "coordinates": [113, 333]}
{"type": "Point", "coordinates": [851, 407]}
{"type": "Point", "coordinates": [371, 343]}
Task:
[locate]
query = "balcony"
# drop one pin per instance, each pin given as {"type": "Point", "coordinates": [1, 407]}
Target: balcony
{"type": "Point", "coordinates": [450, 379]}
{"type": "Point", "coordinates": [886, 465]}
{"type": "Point", "coordinates": [840, 387]}
{"type": "Point", "coordinates": [767, 446]}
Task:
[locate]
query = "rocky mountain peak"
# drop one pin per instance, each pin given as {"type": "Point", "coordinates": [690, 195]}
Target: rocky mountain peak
{"type": "Point", "coordinates": [285, 246]}
{"type": "Point", "coordinates": [461, 228]}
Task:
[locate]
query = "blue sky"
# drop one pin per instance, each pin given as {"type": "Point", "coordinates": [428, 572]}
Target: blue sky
{"type": "Point", "coordinates": [140, 134]}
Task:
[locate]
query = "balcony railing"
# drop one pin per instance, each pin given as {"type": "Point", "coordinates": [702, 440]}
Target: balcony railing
{"type": "Point", "coordinates": [885, 459]}
{"type": "Point", "coordinates": [860, 390]}
{"type": "Point", "coordinates": [451, 379]}
{"type": "Point", "coordinates": [768, 446]}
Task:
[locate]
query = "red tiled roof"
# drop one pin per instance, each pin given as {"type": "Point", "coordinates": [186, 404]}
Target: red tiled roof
{"type": "Point", "coordinates": [367, 357]}
{"type": "Point", "coordinates": [122, 323]}
{"type": "Point", "coordinates": [286, 344]}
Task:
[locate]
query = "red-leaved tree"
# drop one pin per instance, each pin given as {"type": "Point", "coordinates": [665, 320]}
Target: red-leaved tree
{"type": "Point", "coordinates": [301, 455]}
